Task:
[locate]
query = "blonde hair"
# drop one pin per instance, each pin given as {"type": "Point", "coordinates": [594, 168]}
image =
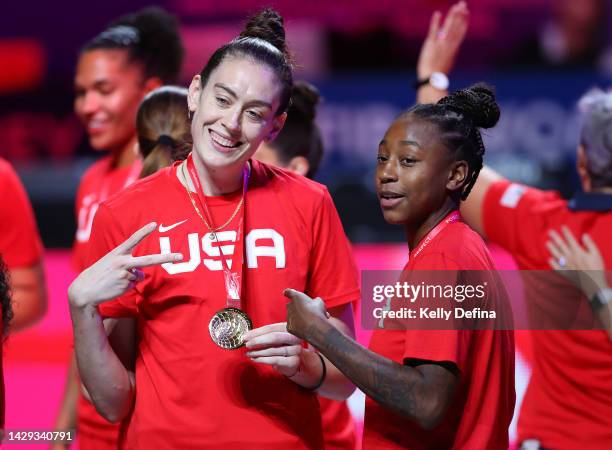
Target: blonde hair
{"type": "Point", "coordinates": [163, 127]}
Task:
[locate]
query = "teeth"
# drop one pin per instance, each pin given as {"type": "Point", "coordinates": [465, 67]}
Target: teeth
{"type": "Point", "coordinates": [223, 141]}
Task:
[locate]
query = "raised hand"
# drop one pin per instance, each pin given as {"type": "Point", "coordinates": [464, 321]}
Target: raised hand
{"type": "Point", "coordinates": [442, 43]}
{"type": "Point", "coordinates": [302, 311]}
{"type": "Point", "coordinates": [116, 272]}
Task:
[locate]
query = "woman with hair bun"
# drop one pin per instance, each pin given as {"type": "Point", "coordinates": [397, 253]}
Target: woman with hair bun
{"type": "Point", "coordinates": [190, 263]}
{"type": "Point", "coordinates": [452, 388]}
{"type": "Point", "coordinates": [135, 54]}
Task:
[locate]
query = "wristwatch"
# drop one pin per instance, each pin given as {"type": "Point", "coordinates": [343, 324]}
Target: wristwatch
{"type": "Point", "coordinates": [600, 299]}
{"type": "Point", "coordinates": [436, 80]}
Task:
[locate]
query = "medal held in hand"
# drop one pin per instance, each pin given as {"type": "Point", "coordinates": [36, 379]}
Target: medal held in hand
{"type": "Point", "coordinates": [228, 326]}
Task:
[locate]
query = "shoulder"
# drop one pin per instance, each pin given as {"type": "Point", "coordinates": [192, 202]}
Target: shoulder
{"type": "Point", "coordinates": [96, 170]}
{"type": "Point", "coordinates": [458, 247]}
{"type": "Point", "coordinates": [8, 176]}
{"type": "Point", "coordinates": [299, 190]}
{"type": "Point", "coordinates": [145, 195]}
{"type": "Point", "coordinates": [507, 195]}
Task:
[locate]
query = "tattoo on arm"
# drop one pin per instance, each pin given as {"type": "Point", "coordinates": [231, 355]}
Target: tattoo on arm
{"type": "Point", "coordinates": [421, 394]}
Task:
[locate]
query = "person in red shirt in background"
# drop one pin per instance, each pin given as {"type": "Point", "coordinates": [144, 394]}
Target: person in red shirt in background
{"type": "Point", "coordinates": [299, 148]}
{"type": "Point", "coordinates": [178, 384]}
{"type": "Point", "coordinates": [22, 250]}
{"type": "Point", "coordinates": [571, 369]}
{"type": "Point", "coordinates": [428, 389]}
{"type": "Point", "coordinates": [116, 69]}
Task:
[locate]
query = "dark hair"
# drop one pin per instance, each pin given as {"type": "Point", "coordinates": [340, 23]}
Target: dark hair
{"type": "Point", "coordinates": [151, 38]}
{"type": "Point", "coordinates": [262, 40]}
{"type": "Point", "coordinates": [459, 117]}
{"type": "Point", "coordinates": [300, 136]}
{"type": "Point", "coordinates": [163, 128]}
{"type": "Point", "coordinates": [5, 298]}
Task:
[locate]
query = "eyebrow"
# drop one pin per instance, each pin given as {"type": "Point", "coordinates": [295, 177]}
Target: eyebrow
{"type": "Point", "coordinates": [412, 143]}
{"type": "Point", "coordinates": [233, 94]}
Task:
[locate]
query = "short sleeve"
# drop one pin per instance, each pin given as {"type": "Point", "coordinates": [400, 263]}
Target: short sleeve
{"type": "Point", "coordinates": [20, 244]}
{"type": "Point", "coordinates": [333, 274]}
{"type": "Point", "coordinates": [105, 236]}
{"type": "Point", "coordinates": [438, 346]}
{"type": "Point", "coordinates": [515, 217]}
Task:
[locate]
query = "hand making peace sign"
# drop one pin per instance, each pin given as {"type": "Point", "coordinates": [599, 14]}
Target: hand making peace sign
{"type": "Point", "coordinates": [116, 272]}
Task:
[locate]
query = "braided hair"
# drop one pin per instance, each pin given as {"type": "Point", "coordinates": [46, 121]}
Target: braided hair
{"type": "Point", "coordinates": [459, 118]}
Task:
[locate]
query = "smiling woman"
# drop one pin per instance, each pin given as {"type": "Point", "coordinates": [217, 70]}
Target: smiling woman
{"type": "Point", "coordinates": [230, 234]}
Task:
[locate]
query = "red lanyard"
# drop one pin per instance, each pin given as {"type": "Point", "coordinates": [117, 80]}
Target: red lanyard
{"type": "Point", "coordinates": [452, 217]}
{"type": "Point", "coordinates": [233, 269]}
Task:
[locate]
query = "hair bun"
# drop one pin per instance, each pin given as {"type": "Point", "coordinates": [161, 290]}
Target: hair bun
{"type": "Point", "coordinates": [478, 102]}
{"type": "Point", "coordinates": [267, 25]}
{"type": "Point", "coordinates": [304, 100]}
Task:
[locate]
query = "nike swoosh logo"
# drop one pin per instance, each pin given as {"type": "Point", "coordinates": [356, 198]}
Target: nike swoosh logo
{"type": "Point", "coordinates": [163, 229]}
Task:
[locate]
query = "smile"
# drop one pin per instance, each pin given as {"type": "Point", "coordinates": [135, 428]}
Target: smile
{"type": "Point", "coordinates": [389, 199]}
{"type": "Point", "coordinates": [222, 142]}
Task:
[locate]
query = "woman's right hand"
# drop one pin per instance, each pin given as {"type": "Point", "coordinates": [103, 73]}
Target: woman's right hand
{"type": "Point", "coordinates": [584, 266]}
{"type": "Point", "coordinates": [116, 272]}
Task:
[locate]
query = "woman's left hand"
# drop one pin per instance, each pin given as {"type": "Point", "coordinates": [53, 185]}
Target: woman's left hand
{"type": "Point", "coordinates": [273, 345]}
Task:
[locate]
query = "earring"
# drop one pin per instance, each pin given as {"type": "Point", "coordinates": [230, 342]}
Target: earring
{"type": "Point", "coordinates": [190, 114]}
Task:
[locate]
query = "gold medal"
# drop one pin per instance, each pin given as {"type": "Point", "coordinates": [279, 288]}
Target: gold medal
{"type": "Point", "coordinates": [228, 327]}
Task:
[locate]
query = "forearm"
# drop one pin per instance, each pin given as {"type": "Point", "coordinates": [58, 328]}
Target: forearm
{"type": "Point", "coordinates": [66, 418]}
{"type": "Point", "coordinates": [400, 388]}
{"type": "Point", "coordinates": [109, 383]}
{"type": "Point", "coordinates": [310, 373]}
{"type": "Point", "coordinates": [29, 296]}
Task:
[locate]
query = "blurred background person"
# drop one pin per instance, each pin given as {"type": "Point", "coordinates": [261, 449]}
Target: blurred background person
{"type": "Point", "coordinates": [571, 371]}
{"type": "Point", "coordinates": [163, 129]}
{"type": "Point", "coordinates": [22, 250]}
{"type": "Point", "coordinates": [6, 312]}
{"type": "Point", "coordinates": [299, 148]}
{"type": "Point", "coordinates": [299, 145]}
{"type": "Point", "coordinates": [116, 69]}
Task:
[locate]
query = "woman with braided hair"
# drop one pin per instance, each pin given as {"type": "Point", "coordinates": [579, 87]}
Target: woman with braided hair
{"type": "Point", "coordinates": [451, 388]}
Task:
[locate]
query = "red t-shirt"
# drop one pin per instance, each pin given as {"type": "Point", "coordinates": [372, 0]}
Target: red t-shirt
{"type": "Point", "coordinates": [190, 393]}
{"type": "Point", "coordinates": [99, 182]}
{"type": "Point", "coordinates": [568, 403]}
{"type": "Point", "coordinates": [339, 431]}
{"type": "Point", "coordinates": [483, 403]}
{"type": "Point", "coordinates": [20, 244]}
